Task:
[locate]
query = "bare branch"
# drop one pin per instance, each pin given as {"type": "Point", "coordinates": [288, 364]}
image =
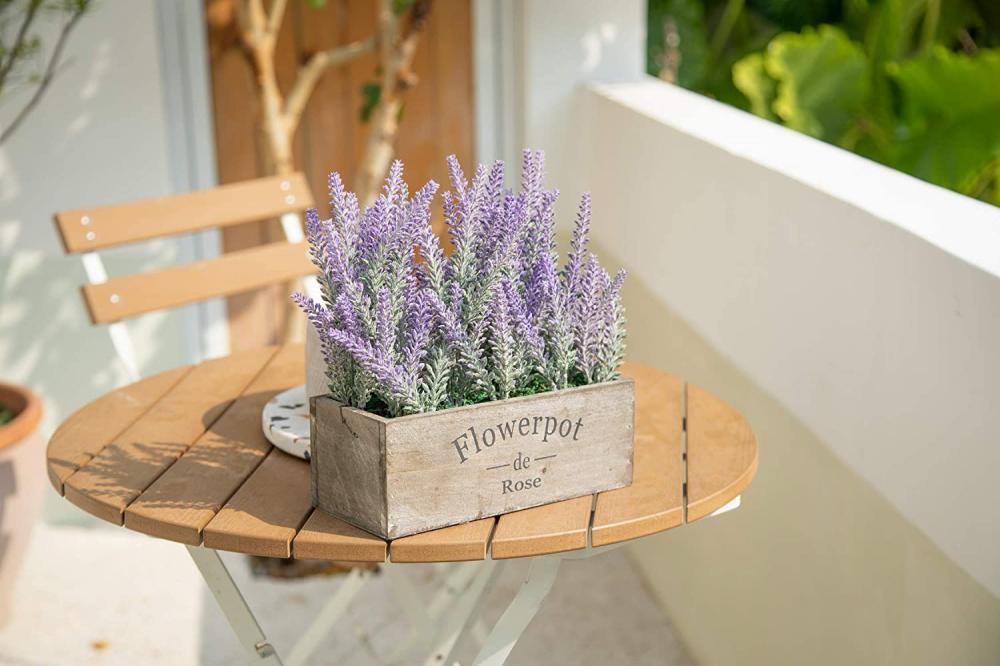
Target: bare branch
{"type": "Point", "coordinates": [276, 16]}
{"type": "Point", "coordinates": [387, 24]}
{"type": "Point", "coordinates": [310, 74]}
{"type": "Point", "coordinates": [257, 15]}
{"type": "Point", "coordinates": [22, 34]}
{"type": "Point", "coordinates": [50, 71]}
{"type": "Point", "coordinates": [397, 58]}
{"type": "Point", "coordinates": [252, 21]}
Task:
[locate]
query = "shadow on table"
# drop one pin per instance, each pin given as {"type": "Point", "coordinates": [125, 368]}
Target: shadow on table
{"type": "Point", "coordinates": [224, 438]}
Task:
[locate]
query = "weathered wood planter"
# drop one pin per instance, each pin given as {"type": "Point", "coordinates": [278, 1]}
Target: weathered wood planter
{"type": "Point", "coordinates": [409, 474]}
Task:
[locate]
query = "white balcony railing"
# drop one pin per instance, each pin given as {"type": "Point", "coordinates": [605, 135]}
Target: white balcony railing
{"type": "Point", "coordinates": [865, 301]}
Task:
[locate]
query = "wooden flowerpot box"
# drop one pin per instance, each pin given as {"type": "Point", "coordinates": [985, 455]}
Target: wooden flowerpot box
{"type": "Point", "coordinates": [409, 474]}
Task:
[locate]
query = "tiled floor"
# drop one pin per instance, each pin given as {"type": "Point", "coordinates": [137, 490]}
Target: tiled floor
{"type": "Point", "coordinates": [97, 596]}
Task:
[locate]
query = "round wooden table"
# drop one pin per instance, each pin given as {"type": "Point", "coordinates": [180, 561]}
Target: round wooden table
{"type": "Point", "coordinates": [181, 456]}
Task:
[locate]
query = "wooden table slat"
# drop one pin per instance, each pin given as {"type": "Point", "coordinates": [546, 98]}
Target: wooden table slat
{"type": "Point", "coordinates": [457, 543]}
{"type": "Point", "coordinates": [655, 500]}
{"type": "Point", "coordinates": [722, 453]}
{"type": "Point", "coordinates": [112, 479]}
{"type": "Point", "coordinates": [550, 528]}
{"type": "Point", "coordinates": [266, 512]}
{"type": "Point", "coordinates": [325, 537]}
{"type": "Point", "coordinates": [86, 432]}
{"type": "Point", "coordinates": [189, 494]}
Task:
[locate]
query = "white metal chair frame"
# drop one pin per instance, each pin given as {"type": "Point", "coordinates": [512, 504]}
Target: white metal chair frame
{"type": "Point", "coordinates": [208, 561]}
{"type": "Point", "coordinates": [442, 624]}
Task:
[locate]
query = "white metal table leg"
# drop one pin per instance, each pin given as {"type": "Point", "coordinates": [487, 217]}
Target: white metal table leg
{"type": "Point", "coordinates": [464, 614]}
{"type": "Point", "coordinates": [414, 607]}
{"type": "Point", "coordinates": [233, 605]}
{"type": "Point", "coordinates": [327, 617]}
{"type": "Point", "coordinates": [520, 612]}
{"type": "Point", "coordinates": [455, 581]}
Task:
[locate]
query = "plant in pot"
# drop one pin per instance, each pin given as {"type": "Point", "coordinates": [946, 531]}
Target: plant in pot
{"type": "Point", "coordinates": [470, 384]}
{"type": "Point", "coordinates": [22, 482]}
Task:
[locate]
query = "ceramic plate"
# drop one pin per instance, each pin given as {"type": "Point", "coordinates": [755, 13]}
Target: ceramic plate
{"type": "Point", "coordinates": [286, 422]}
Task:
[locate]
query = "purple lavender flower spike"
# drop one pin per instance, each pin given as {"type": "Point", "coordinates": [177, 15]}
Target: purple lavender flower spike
{"type": "Point", "coordinates": [456, 176]}
{"type": "Point", "coordinates": [526, 329]}
{"type": "Point", "coordinates": [417, 330]}
{"type": "Point", "coordinates": [494, 187]}
{"type": "Point", "coordinates": [385, 327]}
{"type": "Point", "coordinates": [586, 315]}
{"type": "Point", "coordinates": [346, 315]}
{"type": "Point", "coordinates": [578, 245]}
{"type": "Point", "coordinates": [395, 187]}
{"type": "Point", "coordinates": [419, 325]}
{"type": "Point", "coordinates": [372, 361]}
{"type": "Point", "coordinates": [532, 175]}
{"type": "Point", "coordinates": [338, 200]}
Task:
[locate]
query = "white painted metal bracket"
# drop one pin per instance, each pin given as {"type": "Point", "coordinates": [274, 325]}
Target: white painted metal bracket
{"type": "Point", "coordinates": [443, 624]}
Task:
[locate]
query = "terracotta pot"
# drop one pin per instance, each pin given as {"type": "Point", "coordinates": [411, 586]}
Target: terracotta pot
{"type": "Point", "coordinates": [22, 484]}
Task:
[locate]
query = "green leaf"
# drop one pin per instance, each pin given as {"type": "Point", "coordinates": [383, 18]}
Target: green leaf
{"type": "Point", "coordinates": [400, 6]}
{"type": "Point", "coordinates": [950, 116]}
{"type": "Point", "coordinates": [751, 34]}
{"type": "Point", "coordinates": [316, 4]}
{"type": "Point", "coordinates": [822, 87]}
{"type": "Point", "coordinates": [752, 79]}
{"type": "Point", "coordinates": [371, 92]}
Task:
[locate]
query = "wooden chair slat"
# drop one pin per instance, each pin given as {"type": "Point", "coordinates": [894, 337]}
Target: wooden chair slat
{"type": "Point", "coordinates": [655, 500]}
{"type": "Point", "coordinates": [84, 434]}
{"type": "Point", "coordinates": [89, 229]}
{"type": "Point", "coordinates": [113, 478]}
{"type": "Point", "coordinates": [266, 512]}
{"type": "Point", "coordinates": [721, 453]}
{"type": "Point", "coordinates": [233, 273]}
{"type": "Point", "coordinates": [325, 537]}
{"type": "Point", "coordinates": [179, 504]}
{"type": "Point", "coordinates": [448, 544]}
{"type": "Point", "coordinates": [552, 528]}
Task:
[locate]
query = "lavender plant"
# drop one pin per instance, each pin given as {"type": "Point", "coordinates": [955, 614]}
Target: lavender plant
{"type": "Point", "coordinates": [405, 328]}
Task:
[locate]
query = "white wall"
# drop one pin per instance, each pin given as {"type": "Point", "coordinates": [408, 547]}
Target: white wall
{"type": "Point", "coordinates": [99, 136]}
{"type": "Point", "coordinates": [862, 297]}
{"type": "Point", "coordinates": [879, 340]}
{"type": "Point", "coordinates": [849, 310]}
{"type": "Point", "coordinates": [531, 57]}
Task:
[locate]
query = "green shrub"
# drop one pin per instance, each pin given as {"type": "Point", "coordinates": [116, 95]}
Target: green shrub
{"type": "Point", "coordinates": [914, 84]}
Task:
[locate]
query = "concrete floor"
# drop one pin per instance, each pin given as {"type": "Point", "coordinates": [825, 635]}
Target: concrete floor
{"type": "Point", "coordinates": [108, 597]}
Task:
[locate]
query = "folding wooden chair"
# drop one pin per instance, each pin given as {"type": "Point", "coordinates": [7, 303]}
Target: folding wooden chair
{"type": "Point", "coordinates": [111, 300]}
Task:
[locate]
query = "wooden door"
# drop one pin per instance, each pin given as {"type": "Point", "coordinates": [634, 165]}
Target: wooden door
{"type": "Point", "coordinates": [437, 118]}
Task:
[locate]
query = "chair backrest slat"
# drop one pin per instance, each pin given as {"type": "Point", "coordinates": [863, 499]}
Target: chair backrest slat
{"type": "Point", "coordinates": [228, 274]}
{"type": "Point", "coordinates": [86, 230]}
